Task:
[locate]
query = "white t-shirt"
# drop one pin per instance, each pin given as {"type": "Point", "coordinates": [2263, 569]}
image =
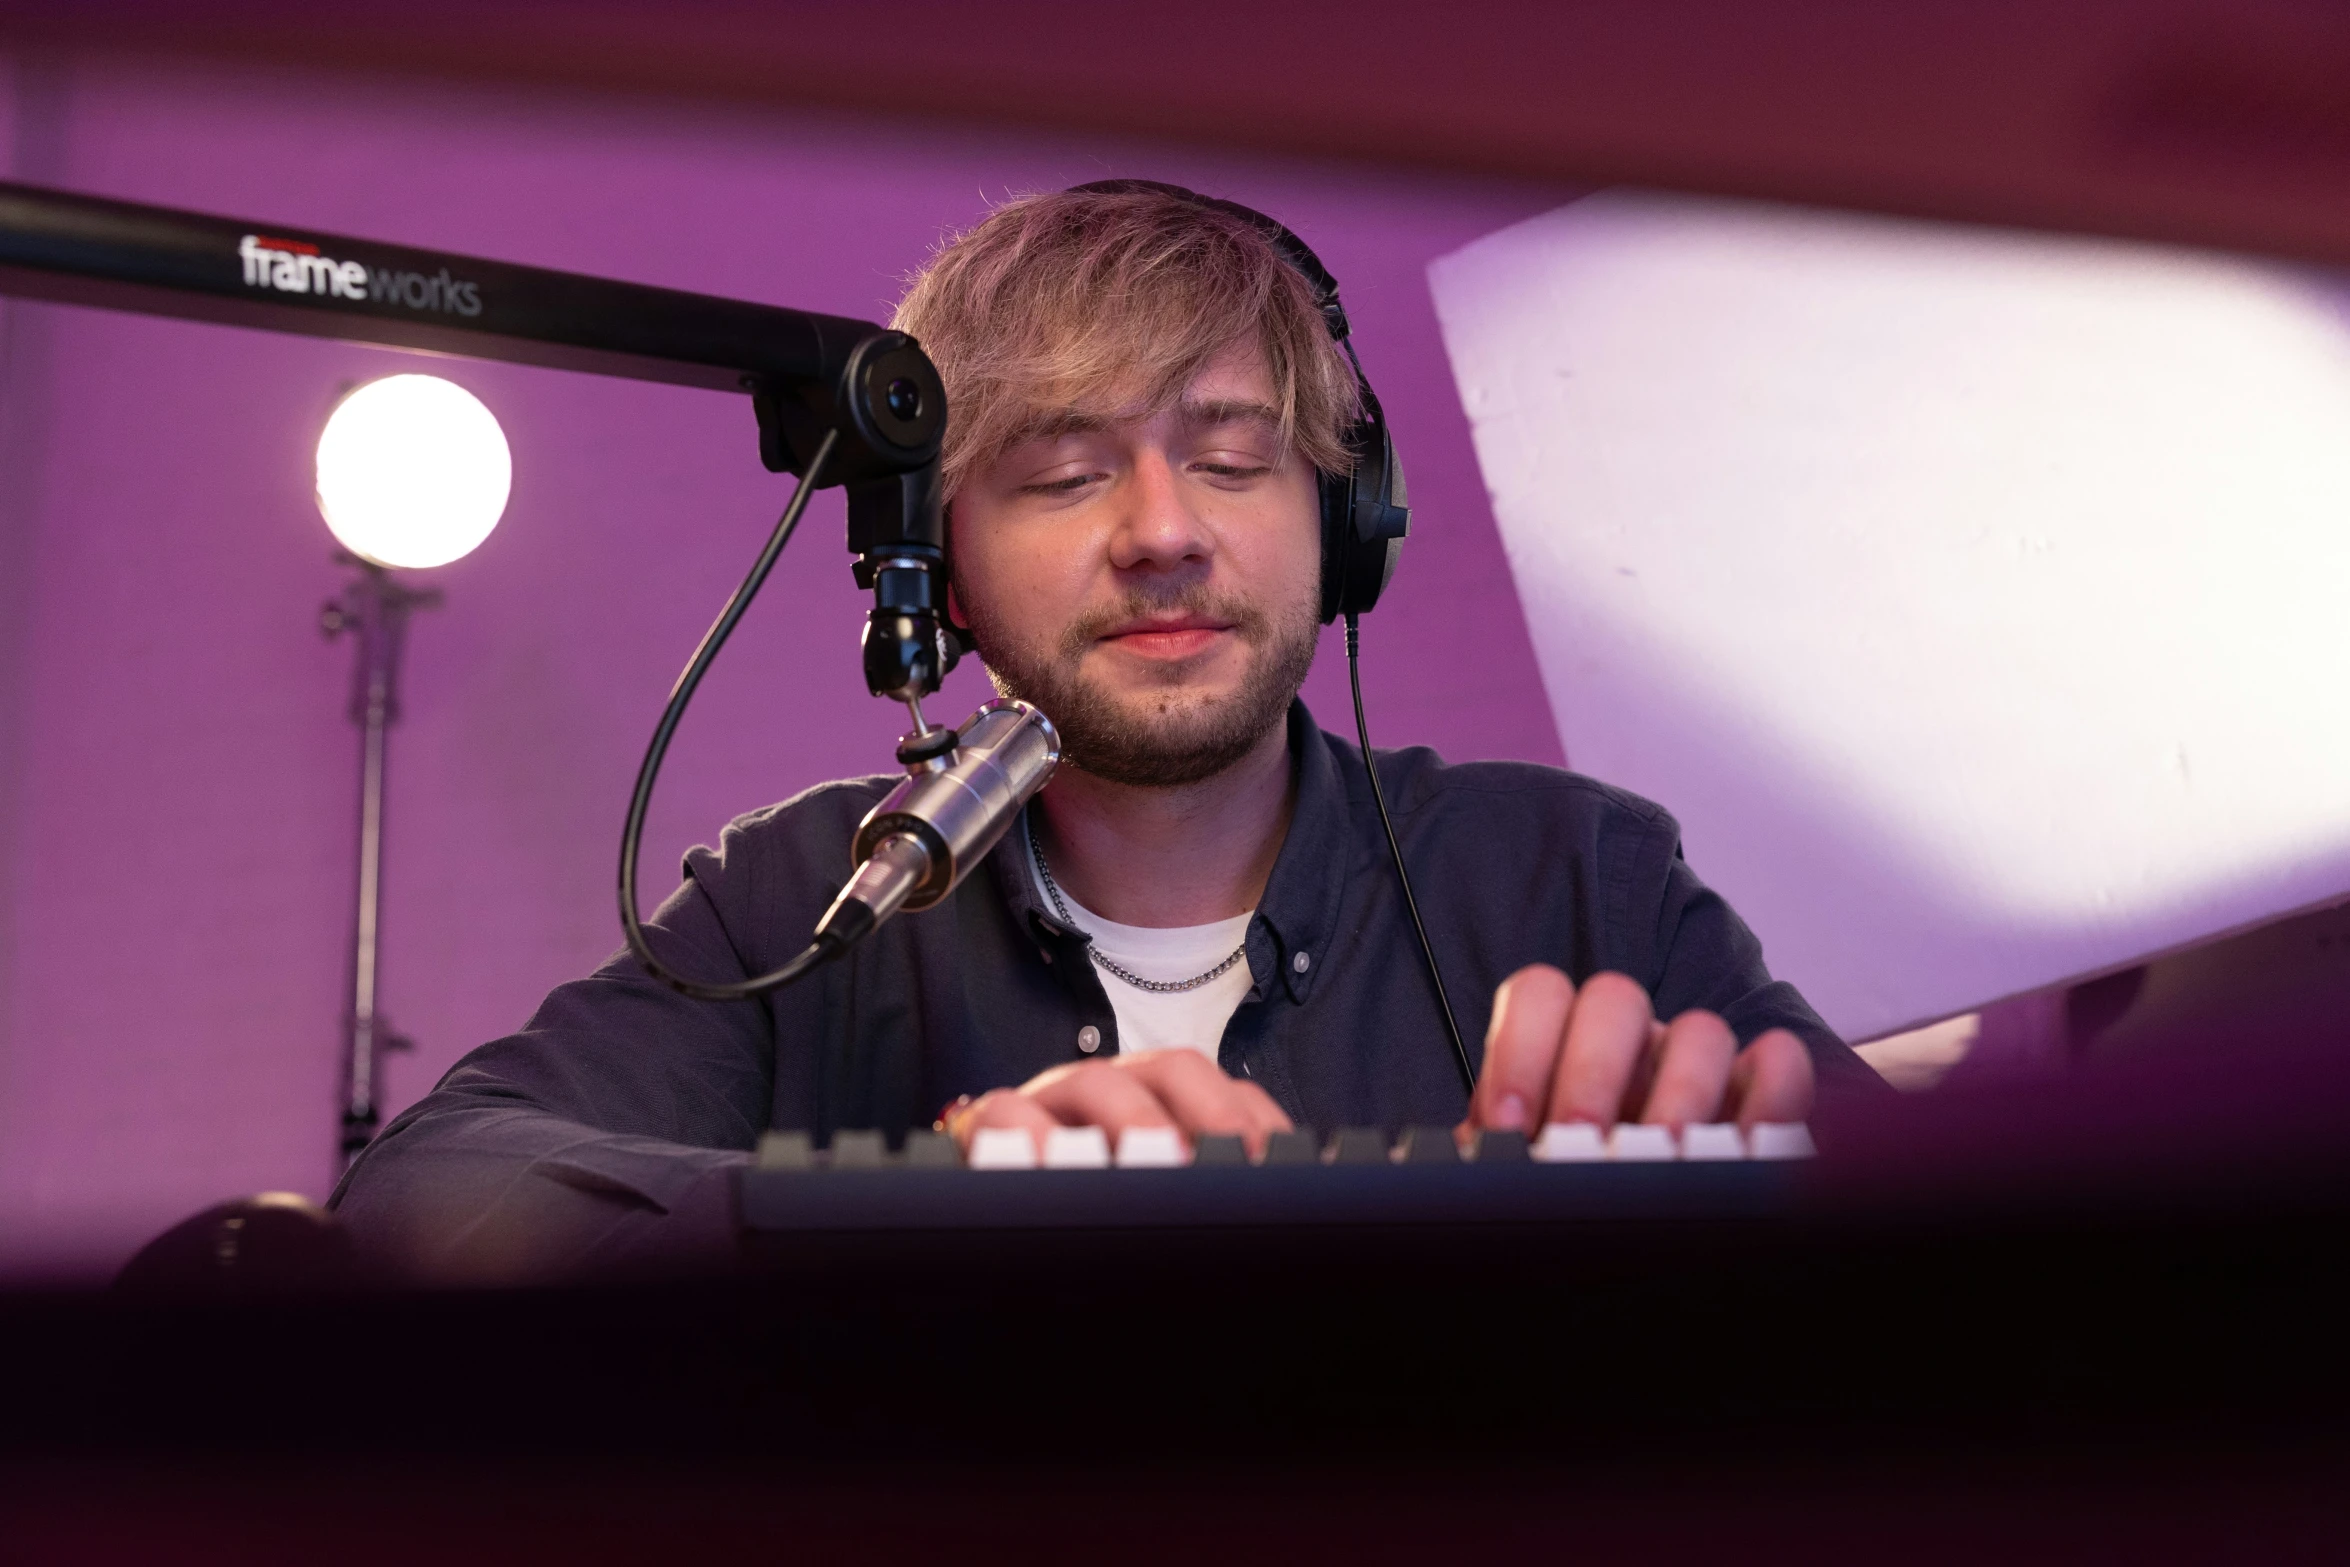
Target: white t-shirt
{"type": "Point", "coordinates": [1158, 1019]}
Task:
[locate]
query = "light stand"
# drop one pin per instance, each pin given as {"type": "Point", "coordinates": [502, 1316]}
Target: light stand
{"type": "Point", "coordinates": [413, 472]}
{"type": "Point", "coordinates": [374, 609]}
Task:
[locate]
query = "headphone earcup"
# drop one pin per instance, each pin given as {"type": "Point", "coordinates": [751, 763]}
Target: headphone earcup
{"type": "Point", "coordinates": [1337, 492]}
{"type": "Point", "coordinates": [1366, 514]}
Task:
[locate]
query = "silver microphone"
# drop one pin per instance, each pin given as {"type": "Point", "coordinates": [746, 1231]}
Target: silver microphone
{"type": "Point", "coordinates": [962, 790]}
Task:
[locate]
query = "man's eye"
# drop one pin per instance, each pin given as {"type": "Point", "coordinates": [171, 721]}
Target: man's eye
{"type": "Point", "coordinates": [1237, 469]}
{"type": "Point", "coordinates": [1068, 486]}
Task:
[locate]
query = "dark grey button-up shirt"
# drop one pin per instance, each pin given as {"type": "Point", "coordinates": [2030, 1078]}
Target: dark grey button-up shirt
{"type": "Point", "coordinates": [605, 1131]}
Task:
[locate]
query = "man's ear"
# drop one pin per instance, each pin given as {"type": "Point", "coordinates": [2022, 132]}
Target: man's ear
{"type": "Point", "coordinates": [957, 627]}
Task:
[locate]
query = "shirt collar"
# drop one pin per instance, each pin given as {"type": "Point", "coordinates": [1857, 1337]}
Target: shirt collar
{"type": "Point", "coordinates": [1300, 908]}
{"type": "Point", "coordinates": [1008, 863]}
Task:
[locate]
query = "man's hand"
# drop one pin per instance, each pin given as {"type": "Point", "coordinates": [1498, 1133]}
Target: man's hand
{"type": "Point", "coordinates": [1178, 1088]}
{"type": "Point", "coordinates": [1555, 1053]}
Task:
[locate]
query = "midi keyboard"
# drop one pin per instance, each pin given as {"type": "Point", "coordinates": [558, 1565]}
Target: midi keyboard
{"type": "Point", "coordinates": [1074, 1179]}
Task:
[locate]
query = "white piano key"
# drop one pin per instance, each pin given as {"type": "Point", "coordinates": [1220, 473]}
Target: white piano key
{"type": "Point", "coordinates": [1003, 1148]}
{"type": "Point", "coordinates": [1641, 1144]}
{"type": "Point", "coordinates": [1781, 1140]}
{"type": "Point", "coordinates": [1149, 1148]}
{"type": "Point", "coordinates": [1712, 1140]}
{"type": "Point", "coordinates": [1569, 1142]}
{"type": "Point", "coordinates": [1076, 1148]}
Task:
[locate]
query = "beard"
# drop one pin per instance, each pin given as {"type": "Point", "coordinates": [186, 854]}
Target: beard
{"type": "Point", "coordinates": [1166, 735]}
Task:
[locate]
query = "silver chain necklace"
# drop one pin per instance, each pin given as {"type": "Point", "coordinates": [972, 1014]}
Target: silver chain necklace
{"type": "Point", "coordinates": [1108, 965]}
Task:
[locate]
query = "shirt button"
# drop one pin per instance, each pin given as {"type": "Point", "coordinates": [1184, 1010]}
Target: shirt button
{"type": "Point", "coordinates": [1302, 962]}
{"type": "Point", "coordinates": [1089, 1039]}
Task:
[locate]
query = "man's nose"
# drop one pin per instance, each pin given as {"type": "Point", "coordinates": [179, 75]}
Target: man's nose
{"type": "Point", "coordinates": [1159, 527]}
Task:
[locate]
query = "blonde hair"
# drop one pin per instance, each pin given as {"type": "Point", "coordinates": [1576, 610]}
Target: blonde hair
{"type": "Point", "coordinates": [1107, 304]}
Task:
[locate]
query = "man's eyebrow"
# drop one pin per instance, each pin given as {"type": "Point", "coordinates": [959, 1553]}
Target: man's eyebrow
{"type": "Point", "coordinates": [1230, 410]}
{"type": "Point", "coordinates": [1053, 423]}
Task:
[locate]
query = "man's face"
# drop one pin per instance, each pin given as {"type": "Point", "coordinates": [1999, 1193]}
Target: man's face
{"type": "Point", "coordinates": [1153, 584]}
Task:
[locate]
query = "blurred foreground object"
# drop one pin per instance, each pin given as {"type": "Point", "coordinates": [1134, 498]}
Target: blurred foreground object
{"type": "Point", "coordinates": [2202, 121]}
{"type": "Point", "coordinates": [2137, 1255]}
{"type": "Point", "coordinates": [273, 1242]}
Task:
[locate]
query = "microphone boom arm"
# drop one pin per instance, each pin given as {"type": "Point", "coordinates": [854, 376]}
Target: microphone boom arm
{"type": "Point", "coordinates": [874, 390]}
{"type": "Point", "coordinates": [81, 250]}
{"type": "Point", "coordinates": [838, 401]}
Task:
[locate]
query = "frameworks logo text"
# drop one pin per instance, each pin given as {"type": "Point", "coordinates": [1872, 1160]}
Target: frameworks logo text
{"type": "Point", "coordinates": [293, 266]}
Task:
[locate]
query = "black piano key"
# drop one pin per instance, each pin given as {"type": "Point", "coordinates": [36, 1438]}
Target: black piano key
{"type": "Point", "coordinates": [1501, 1148]}
{"type": "Point", "coordinates": [927, 1150]}
{"type": "Point", "coordinates": [859, 1150]}
{"type": "Point", "coordinates": [1429, 1145]}
{"type": "Point", "coordinates": [786, 1151]}
{"type": "Point", "coordinates": [1218, 1150]}
{"type": "Point", "coordinates": [1292, 1148]}
{"type": "Point", "coordinates": [1358, 1145]}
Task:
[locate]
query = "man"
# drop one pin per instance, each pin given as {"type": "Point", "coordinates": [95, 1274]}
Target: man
{"type": "Point", "coordinates": [1197, 924]}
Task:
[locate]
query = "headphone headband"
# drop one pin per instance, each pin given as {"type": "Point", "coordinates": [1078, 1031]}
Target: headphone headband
{"type": "Point", "coordinates": [1293, 250]}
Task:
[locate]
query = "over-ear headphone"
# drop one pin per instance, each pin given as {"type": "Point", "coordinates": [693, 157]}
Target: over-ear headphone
{"type": "Point", "coordinates": [1365, 510]}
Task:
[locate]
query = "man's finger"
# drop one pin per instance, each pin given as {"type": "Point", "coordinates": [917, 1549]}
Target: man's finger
{"type": "Point", "coordinates": [1096, 1093]}
{"type": "Point", "coordinates": [1001, 1107]}
{"type": "Point", "coordinates": [1203, 1100]}
{"type": "Point", "coordinates": [1608, 1030]}
{"type": "Point", "coordinates": [1650, 1056]}
{"type": "Point", "coordinates": [1522, 1048]}
{"type": "Point", "coordinates": [1692, 1072]}
{"type": "Point", "coordinates": [1771, 1080]}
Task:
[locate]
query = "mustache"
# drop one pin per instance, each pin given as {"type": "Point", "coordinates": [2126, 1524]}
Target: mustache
{"type": "Point", "coordinates": [1245, 617]}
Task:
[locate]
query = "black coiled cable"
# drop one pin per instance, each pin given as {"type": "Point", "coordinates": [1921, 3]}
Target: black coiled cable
{"type": "Point", "coordinates": [818, 951]}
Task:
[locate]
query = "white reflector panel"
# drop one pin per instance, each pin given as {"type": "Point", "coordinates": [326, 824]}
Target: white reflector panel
{"type": "Point", "coordinates": [1980, 602]}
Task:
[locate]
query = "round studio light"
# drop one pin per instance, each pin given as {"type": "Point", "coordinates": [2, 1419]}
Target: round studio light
{"type": "Point", "coordinates": [413, 471]}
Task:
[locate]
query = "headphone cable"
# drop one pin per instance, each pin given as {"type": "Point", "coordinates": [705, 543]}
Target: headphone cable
{"type": "Point", "coordinates": [1354, 679]}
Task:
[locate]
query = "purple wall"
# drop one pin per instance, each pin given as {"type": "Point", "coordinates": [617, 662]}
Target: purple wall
{"type": "Point", "coordinates": [176, 770]}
